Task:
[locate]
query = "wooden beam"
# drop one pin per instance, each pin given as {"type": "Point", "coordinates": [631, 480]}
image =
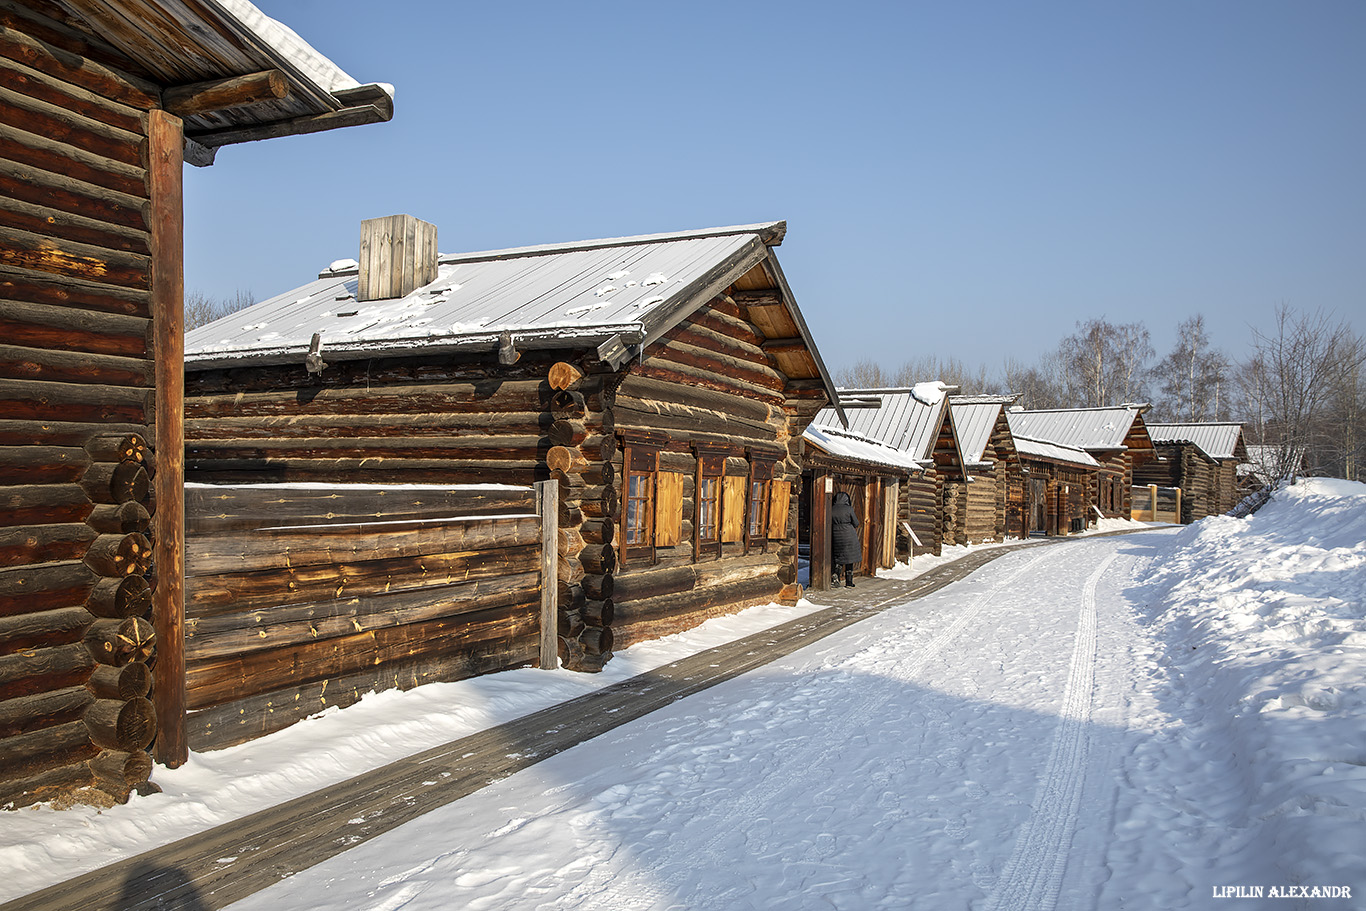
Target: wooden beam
{"type": "Point", "coordinates": [547, 506]}
{"type": "Point", "coordinates": [165, 140]}
{"type": "Point", "coordinates": [785, 345]}
{"type": "Point", "coordinates": [225, 94]}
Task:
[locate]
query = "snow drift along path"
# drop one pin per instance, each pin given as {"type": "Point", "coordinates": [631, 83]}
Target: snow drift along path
{"type": "Point", "coordinates": [936, 755]}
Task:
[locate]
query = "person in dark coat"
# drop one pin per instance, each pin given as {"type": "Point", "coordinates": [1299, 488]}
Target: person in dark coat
{"type": "Point", "coordinates": [844, 546]}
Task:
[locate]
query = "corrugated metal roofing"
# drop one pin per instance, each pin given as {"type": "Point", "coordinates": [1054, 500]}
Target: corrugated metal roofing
{"type": "Point", "coordinates": [588, 291]}
{"type": "Point", "coordinates": [1056, 452]}
{"type": "Point", "coordinates": [899, 419]}
{"type": "Point", "coordinates": [1218, 440]}
{"type": "Point", "coordinates": [1081, 428]}
{"type": "Point", "coordinates": [837, 442]}
{"type": "Point", "coordinates": [974, 418]}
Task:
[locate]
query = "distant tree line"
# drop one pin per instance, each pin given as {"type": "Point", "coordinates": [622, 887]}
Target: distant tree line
{"type": "Point", "coordinates": [1299, 390]}
{"type": "Point", "coordinates": [200, 309]}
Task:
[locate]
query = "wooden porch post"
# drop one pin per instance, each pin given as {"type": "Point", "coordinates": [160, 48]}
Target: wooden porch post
{"type": "Point", "coordinates": [165, 146]}
{"type": "Point", "coordinates": [548, 508]}
{"type": "Point", "coordinates": [819, 570]}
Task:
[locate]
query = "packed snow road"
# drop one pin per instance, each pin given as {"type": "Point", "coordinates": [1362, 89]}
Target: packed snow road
{"type": "Point", "coordinates": [962, 751]}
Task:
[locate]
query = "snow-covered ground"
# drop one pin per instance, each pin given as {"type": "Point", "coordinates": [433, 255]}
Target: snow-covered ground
{"type": "Point", "coordinates": [1117, 722]}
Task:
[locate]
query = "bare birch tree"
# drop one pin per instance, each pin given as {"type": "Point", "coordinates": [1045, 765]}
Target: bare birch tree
{"type": "Point", "coordinates": [1193, 377]}
{"type": "Point", "coordinates": [1104, 363]}
{"type": "Point", "coordinates": [200, 309]}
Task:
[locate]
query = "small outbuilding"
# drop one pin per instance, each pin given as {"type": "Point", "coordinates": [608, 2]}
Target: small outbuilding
{"type": "Point", "coordinates": [1201, 459]}
{"type": "Point", "coordinates": [988, 505]}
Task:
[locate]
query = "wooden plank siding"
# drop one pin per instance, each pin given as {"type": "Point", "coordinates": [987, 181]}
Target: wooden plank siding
{"type": "Point", "coordinates": [298, 600]}
{"type": "Point", "coordinates": [77, 403]}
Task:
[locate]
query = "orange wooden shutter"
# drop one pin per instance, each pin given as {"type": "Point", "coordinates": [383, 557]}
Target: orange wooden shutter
{"type": "Point", "coordinates": [668, 508]}
{"type": "Point", "coordinates": [780, 492]}
{"type": "Point", "coordinates": [733, 512]}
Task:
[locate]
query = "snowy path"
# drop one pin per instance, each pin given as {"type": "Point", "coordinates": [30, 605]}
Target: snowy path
{"type": "Point", "coordinates": [962, 751]}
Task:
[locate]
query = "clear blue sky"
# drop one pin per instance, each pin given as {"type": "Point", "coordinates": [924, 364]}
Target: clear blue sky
{"type": "Point", "coordinates": [959, 178]}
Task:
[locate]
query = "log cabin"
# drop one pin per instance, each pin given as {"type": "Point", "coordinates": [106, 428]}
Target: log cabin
{"type": "Point", "coordinates": [914, 420]}
{"type": "Point", "coordinates": [874, 475]}
{"type": "Point", "coordinates": [988, 505]}
{"type": "Point", "coordinates": [1200, 458]}
{"type": "Point", "coordinates": [103, 103]}
{"type": "Point", "coordinates": [664, 381]}
{"type": "Point", "coordinates": [1115, 438]}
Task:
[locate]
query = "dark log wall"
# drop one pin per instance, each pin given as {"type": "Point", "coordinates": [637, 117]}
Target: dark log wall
{"type": "Point", "coordinates": [1208, 487]}
{"type": "Point", "coordinates": [76, 413]}
{"type": "Point", "coordinates": [415, 420]}
{"type": "Point", "coordinates": [706, 388]}
{"type": "Point", "coordinates": [300, 599]}
{"type": "Point", "coordinates": [922, 507]}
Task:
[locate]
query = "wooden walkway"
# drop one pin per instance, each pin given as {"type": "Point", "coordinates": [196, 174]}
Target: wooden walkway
{"type": "Point", "coordinates": [215, 868]}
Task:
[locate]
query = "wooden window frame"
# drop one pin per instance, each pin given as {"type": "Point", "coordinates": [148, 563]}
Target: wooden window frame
{"type": "Point", "coordinates": [757, 494]}
{"type": "Point", "coordinates": [639, 460]}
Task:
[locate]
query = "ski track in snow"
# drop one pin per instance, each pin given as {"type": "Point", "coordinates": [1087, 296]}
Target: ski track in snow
{"type": "Point", "coordinates": [1033, 875]}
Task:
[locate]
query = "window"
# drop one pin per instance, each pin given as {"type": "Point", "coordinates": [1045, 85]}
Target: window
{"type": "Point", "coordinates": [638, 501]}
{"type": "Point", "coordinates": [640, 466]}
{"type": "Point", "coordinates": [758, 509]}
{"type": "Point", "coordinates": [709, 511]}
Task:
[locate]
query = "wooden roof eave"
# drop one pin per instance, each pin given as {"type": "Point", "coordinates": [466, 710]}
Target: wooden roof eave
{"type": "Point", "coordinates": [805, 332]}
{"type": "Point", "coordinates": [819, 457]}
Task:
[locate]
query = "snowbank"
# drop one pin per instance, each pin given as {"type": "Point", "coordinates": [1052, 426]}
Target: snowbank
{"type": "Point", "coordinates": [1264, 622]}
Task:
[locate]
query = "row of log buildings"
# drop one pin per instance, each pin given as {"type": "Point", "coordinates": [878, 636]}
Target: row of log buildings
{"type": "Point", "coordinates": [103, 101]}
{"type": "Point", "coordinates": [667, 383]}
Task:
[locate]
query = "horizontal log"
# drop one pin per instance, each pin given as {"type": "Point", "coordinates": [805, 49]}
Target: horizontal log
{"type": "Point", "coordinates": [298, 546]}
{"type": "Point", "coordinates": [43, 629]}
{"type": "Point", "coordinates": [568, 406]}
{"type": "Point", "coordinates": [245, 719]}
{"type": "Point", "coordinates": [34, 400]}
{"type": "Point", "coordinates": [217, 510]}
{"type": "Point", "coordinates": [42, 464]}
{"type": "Point", "coordinates": [39, 152]}
{"type": "Point", "coordinates": [69, 259]}
{"type": "Point", "coordinates": [241, 592]}
{"type": "Point", "coordinates": [346, 470]}
{"type": "Point", "coordinates": [598, 559]}
{"type": "Point", "coordinates": [122, 767]}
{"type": "Point", "coordinates": [564, 375]}
{"type": "Point", "coordinates": [567, 433]}
{"type": "Point", "coordinates": [44, 544]}
{"type": "Point", "coordinates": [116, 482]}
{"type": "Point", "coordinates": [213, 638]}
{"type": "Point", "coordinates": [490, 448]}
{"type": "Point", "coordinates": [39, 588]}
{"type": "Point", "coordinates": [125, 726]}
{"type": "Point", "coordinates": [44, 669]}
{"type": "Point", "coordinates": [119, 555]}
{"type": "Point", "coordinates": [650, 389]}
{"type": "Point", "coordinates": [53, 433]}
{"type": "Point", "coordinates": [225, 94]}
{"type": "Point", "coordinates": [126, 682]}
{"type": "Point", "coordinates": [215, 682]}
{"type": "Point", "coordinates": [396, 399]}
{"type": "Point", "coordinates": [599, 587]}
{"type": "Point", "coordinates": [43, 710]}
{"type": "Point", "coordinates": [130, 596]}
{"type": "Point", "coordinates": [123, 518]}
{"type": "Point", "coordinates": [33, 752]}
{"type": "Point", "coordinates": [44, 504]}
{"type": "Point", "coordinates": [672, 613]}
{"type": "Point", "coordinates": [598, 613]}
{"type": "Point", "coordinates": [598, 531]}
{"type": "Point", "coordinates": [379, 426]}
{"type": "Point", "coordinates": [118, 642]}
{"type": "Point", "coordinates": [54, 783]}
{"type": "Point", "coordinates": [565, 460]}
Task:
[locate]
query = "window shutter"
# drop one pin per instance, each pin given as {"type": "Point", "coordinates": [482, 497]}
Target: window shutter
{"type": "Point", "coordinates": [668, 509]}
{"type": "Point", "coordinates": [779, 493]}
{"type": "Point", "coordinates": [734, 514]}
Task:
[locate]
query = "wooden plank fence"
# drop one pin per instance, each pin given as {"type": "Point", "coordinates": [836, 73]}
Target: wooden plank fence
{"type": "Point", "coordinates": [1156, 504]}
{"type": "Point", "coordinates": [303, 597]}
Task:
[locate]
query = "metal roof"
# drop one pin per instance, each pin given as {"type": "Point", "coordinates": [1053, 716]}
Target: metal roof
{"type": "Point", "coordinates": [974, 418]}
{"type": "Point", "coordinates": [1217, 440]}
{"type": "Point", "coordinates": [576, 295]}
{"type": "Point", "coordinates": [1055, 452]}
{"type": "Point", "coordinates": [835, 441]}
{"type": "Point", "coordinates": [893, 416]}
{"type": "Point", "coordinates": [1081, 428]}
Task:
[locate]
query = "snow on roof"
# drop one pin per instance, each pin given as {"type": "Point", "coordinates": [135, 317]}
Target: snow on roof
{"type": "Point", "coordinates": [1056, 452]}
{"type": "Point", "coordinates": [1081, 428]}
{"type": "Point", "coordinates": [322, 71]}
{"type": "Point", "coordinates": [835, 441]}
{"type": "Point", "coordinates": [974, 418]}
{"type": "Point", "coordinates": [1217, 440]}
{"type": "Point", "coordinates": [578, 294]}
{"type": "Point", "coordinates": [897, 417]}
